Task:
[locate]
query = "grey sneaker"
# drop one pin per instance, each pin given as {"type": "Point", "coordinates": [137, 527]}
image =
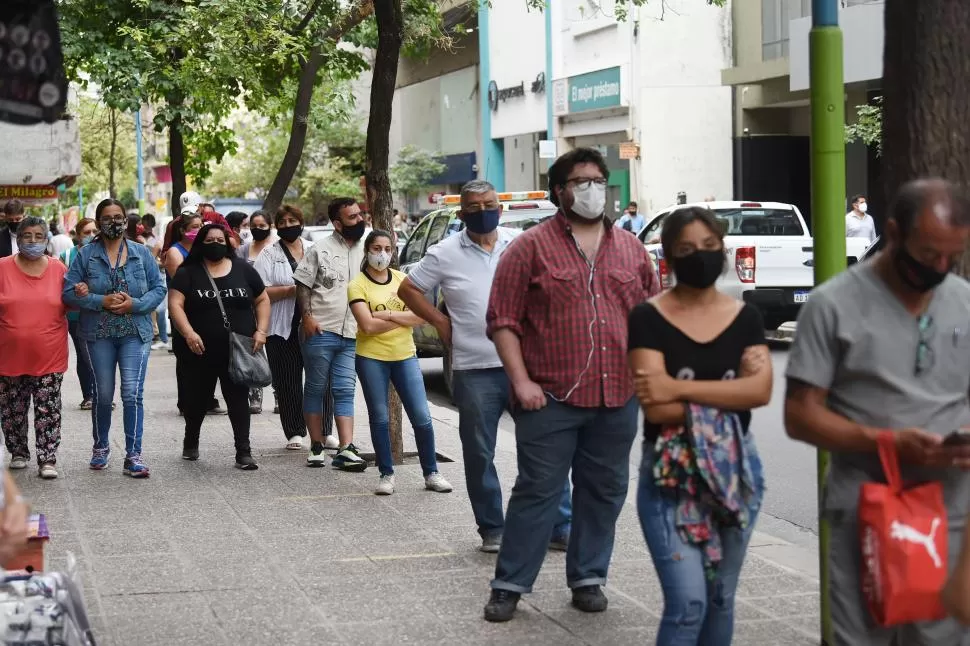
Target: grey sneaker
{"type": "Point", "coordinates": [491, 544]}
{"type": "Point", "coordinates": [436, 482]}
{"type": "Point", "coordinates": [17, 462]}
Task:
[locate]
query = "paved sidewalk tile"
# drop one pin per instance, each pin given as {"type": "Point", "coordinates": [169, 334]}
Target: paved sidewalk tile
{"type": "Point", "coordinates": [202, 553]}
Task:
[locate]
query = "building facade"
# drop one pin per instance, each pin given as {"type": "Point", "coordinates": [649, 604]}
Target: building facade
{"type": "Point", "coordinates": [772, 116]}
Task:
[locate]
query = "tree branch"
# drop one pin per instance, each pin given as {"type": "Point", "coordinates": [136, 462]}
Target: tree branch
{"type": "Point", "coordinates": [310, 15]}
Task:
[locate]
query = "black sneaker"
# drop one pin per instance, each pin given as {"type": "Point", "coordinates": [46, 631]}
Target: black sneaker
{"type": "Point", "coordinates": [190, 454]}
{"type": "Point", "coordinates": [589, 598]}
{"type": "Point", "coordinates": [348, 459]}
{"type": "Point", "coordinates": [559, 543]}
{"type": "Point", "coordinates": [246, 463]}
{"type": "Point", "coordinates": [501, 605]}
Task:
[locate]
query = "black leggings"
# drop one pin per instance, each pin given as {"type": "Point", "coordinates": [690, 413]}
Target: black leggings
{"type": "Point", "coordinates": [198, 385]}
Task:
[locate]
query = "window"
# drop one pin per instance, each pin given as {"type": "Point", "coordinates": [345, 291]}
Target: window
{"type": "Point", "coordinates": [415, 247]}
{"type": "Point", "coordinates": [775, 16]}
{"type": "Point", "coordinates": [759, 222]}
{"type": "Point", "coordinates": [438, 228]}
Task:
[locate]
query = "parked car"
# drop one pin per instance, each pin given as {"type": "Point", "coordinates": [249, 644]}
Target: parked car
{"type": "Point", "coordinates": [769, 251]}
{"type": "Point", "coordinates": [521, 210]}
{"type": "Point", "coordinates": [226, 205]}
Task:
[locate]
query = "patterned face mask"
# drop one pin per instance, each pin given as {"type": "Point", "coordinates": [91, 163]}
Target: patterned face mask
{"type": "Point", "coordinates": [380, 260]}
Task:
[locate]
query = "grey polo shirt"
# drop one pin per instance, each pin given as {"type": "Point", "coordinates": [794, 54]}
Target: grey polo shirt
{"type": "Point", "coordinates": [856, 340]}
{"type": "Point", "coordinates": [464, 272]}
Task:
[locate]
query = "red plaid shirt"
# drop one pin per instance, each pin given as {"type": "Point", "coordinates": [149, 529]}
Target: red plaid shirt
{"type": "Point", "coordinates": [545, 292]}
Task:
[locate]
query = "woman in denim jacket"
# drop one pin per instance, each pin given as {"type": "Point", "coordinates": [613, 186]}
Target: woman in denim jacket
{"type": "Point", "coordinates": [116, 285]}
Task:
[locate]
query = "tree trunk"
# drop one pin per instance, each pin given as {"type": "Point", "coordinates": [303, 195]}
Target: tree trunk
{"type": "Point", "coordinates": [113, 152]}
{"type": "Point", "coordinates": [390, 35]}
{"type": "Point", "coordinates": [176, 162]}
{"type": "Point", "coordinates": [926, 82]}
{"type": "Point", "coordinates": [303, 101]}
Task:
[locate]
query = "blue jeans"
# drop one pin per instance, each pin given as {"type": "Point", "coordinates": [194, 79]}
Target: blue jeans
{"type": "Point", "coordinates": [128, 355]}
{"type": "Point", "coordinates": [329, 356]}
{"type": "Point", "coordinates": [161, 316]}
{"type": "Point", "coordinates": [482, 396]}
{"type": "Point", "coordinates": [375, 378]}
{"type": "Point", "coordinates": [696, 611]}
{"type": "Point", "coordinates": [84, 374]}
{"type": "Point", "coordinates": [595, 443]}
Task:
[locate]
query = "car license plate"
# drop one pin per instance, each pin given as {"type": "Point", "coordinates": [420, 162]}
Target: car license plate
{"type": "Point", "coordinates": [801, 297]}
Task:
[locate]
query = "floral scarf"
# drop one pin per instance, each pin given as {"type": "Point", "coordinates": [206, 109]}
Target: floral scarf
{"type": "Point", "coordinates": [706, 465]}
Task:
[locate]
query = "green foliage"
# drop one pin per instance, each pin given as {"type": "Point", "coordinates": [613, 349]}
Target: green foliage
{"type": "Point", "coordinates": [96, 128]}
{"type": "Point", "coordinates": [621, 8]}
{"type": "Point", "coordinates": [196, 61]}
{"type": "Point", "coordinates": [868, 125]}
{"type": "Point", "coordinates": [413, 170]}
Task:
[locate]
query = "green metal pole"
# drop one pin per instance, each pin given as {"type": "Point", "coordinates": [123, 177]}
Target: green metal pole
{"type": "Point", "coordinates": [828, 204]}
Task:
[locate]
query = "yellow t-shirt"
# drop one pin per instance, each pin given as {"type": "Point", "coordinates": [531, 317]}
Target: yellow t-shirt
{"type": "Point", "coordinates": [396, 345]}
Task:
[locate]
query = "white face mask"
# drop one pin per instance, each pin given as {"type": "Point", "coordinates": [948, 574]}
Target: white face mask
{"type": "Point", "coordinates": [863, 207]}
{"type": "Point", "coordinates": [379, 261]}
{"type": "Point", "coordinates": [246, 236]}
{"type": "Point", "coordinates": [589, 202]}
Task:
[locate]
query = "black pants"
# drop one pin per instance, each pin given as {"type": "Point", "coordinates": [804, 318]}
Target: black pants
{"type": "Point", "coordinates": [286, 364]}
{"type": "Point", "coordinates": [198, 380]}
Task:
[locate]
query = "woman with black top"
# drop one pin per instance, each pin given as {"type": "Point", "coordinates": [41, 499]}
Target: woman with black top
{"type": "Point", "coordinates": [695, 345]}
{"type": "Point", "coordinates": [275, 266]}
{"type": "Point", "coordinates": [203, 341]}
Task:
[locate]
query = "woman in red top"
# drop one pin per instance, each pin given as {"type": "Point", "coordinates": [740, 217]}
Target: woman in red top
{"type": "Point", "coordinates": [33, 347]}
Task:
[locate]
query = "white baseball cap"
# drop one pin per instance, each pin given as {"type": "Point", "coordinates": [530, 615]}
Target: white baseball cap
{"type": "Point", "coordinates": [189, 202]}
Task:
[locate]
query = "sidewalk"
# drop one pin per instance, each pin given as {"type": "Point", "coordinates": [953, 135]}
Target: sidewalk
{"type": "Point", "coordinates": [202, 553]}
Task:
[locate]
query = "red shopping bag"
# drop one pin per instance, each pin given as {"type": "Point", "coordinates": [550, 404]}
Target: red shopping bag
{"type": "Point", "coordinates": [904, 545]}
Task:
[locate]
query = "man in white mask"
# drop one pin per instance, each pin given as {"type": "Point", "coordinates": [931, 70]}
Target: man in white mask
{"type": "Point", "coordinates": [858, 222]}
{"type": "Point", "coordinates": [557, 314]}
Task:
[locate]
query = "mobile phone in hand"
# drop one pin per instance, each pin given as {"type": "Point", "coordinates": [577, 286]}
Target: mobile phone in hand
{"type": "Point", "coordinates": [957, 438]}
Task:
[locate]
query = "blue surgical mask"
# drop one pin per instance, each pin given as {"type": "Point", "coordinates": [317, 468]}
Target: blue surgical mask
{"type": "Point", "coordinates": [32, 250]}
{"type": "Point", "coordinates": [87, 240]}
{"type": "Point", "coordinates": [482, 222]}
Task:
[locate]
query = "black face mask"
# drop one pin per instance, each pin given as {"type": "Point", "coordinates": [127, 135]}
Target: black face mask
{"type": "Point", "coordinates": [289, 234]}
{"type": "Point", "coordinates": [214, 251]}
{"type": "Point", "coordinates": [260, 234]}
{"type": "Point", "coordinates": [354, 233]}
{"type": "Point", "coordinates": [915, 274]}
{"type": "Point", "coordinates": [700, 269]}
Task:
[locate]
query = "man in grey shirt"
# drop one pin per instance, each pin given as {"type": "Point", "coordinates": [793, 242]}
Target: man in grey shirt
{"type": "Point", "coordinates": [463, 266]}
{"type": "Point", "coordinates": [886, 346]}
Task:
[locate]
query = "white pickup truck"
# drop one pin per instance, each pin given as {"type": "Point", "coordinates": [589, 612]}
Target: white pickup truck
{"type": "Point", "coordinates": [769, 255]}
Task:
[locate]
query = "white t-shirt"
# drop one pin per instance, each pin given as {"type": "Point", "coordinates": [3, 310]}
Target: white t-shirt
{"type": "Point", "coordinates": [59, 244]}
{"type": "Point", "coordinates": [856, 227]}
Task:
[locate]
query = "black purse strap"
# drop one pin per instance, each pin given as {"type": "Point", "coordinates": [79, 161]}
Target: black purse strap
{"type": "Point", "coordinates": [289, 257]}
{"type": "Point", "coordinates": [225, 318]}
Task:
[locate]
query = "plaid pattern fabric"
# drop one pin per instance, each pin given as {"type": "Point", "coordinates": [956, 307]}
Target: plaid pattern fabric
{"type": "Point", "coordinates": [546, 293]}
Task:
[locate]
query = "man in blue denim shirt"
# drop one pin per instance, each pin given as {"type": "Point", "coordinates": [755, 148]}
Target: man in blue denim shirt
{"type": "Point", "coordinates": [116, 285]}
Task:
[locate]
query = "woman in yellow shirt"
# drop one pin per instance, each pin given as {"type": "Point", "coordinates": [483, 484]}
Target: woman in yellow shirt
{"type": "Point", "coordinates": [385, 355]}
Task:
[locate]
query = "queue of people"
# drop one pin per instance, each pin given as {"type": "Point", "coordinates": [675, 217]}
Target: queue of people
{"type": "Point", "coordinates": [566, 326]}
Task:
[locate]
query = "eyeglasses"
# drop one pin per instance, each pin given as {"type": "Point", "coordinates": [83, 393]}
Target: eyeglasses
{"type": "Point", "coordinates": [925, 358]}
{"type": "Point", "coordinates": [583, 183]}
{"type": "Point", "coordinates": [478, 208]}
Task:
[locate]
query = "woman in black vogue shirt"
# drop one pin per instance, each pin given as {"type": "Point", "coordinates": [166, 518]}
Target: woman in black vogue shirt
{"type": "Point", "coordinates": [695, 345]}
{"type": "Point", "coordinates": [203, 343]}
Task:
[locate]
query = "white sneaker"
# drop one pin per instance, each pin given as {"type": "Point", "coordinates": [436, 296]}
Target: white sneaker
{"type": "Point", "coordinates": [159, 345]}
{"type": "Point", "coordinates": [18, 463]}
{"type": "Point", "coordinates": [386, 486]}
{"type": "Point", "coordinates": [295, 443]}
{"type": "Point", "coordinates": [437, 482]}
{"type": "Point", "coordinates": [331, 443]}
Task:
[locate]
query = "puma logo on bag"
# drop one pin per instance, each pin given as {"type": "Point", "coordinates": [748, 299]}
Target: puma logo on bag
{"type": "Point", "coordinates": [900, 532]}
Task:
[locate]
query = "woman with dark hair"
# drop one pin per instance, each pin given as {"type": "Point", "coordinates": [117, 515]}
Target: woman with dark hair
{"type": "Point", "coordinates": [701, 364]}
{"type": "Point", "coordinates": [33, 347]}
{"type": "Point", "coordinates": [135, 231]}
{"type": "Point", "coordinates": [117, 286]}
{"type": "Point", "coordinates": [202, 346]}
{"type": "Point", "coordinates": [84, 232]}
{"type": "Point", "coordinates": [239, 223]}
{"type": "Point", "coordinates": [386, 355]}
{"type": "Point", "coordinates": [256, 225]}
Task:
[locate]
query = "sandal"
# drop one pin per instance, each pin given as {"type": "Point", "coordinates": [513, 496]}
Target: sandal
{"type": "Point", "coordinates": [295, 443]}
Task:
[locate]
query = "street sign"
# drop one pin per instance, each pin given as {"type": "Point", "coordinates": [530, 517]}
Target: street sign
{"type": "Point", "coordinates": [630, 150]}
{"type": "Point", "coordinates": [28, 192]}
{"type": "Point", "coordinates": [595, 90]}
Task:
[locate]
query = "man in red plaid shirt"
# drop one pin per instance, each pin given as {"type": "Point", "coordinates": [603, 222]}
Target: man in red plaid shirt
{"type": "Point", "coordinates": [557, 314]}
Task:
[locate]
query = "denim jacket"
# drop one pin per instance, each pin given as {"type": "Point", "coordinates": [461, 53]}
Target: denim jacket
{"type": "Point", "coordinates": [145, 286]}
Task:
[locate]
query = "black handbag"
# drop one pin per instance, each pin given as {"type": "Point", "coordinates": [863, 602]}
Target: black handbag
{"type": "Point", "coordinates": [246, 367]}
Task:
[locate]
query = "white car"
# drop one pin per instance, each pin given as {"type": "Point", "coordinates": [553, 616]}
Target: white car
{"type": "Point", "coordinates": [769, 255]}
